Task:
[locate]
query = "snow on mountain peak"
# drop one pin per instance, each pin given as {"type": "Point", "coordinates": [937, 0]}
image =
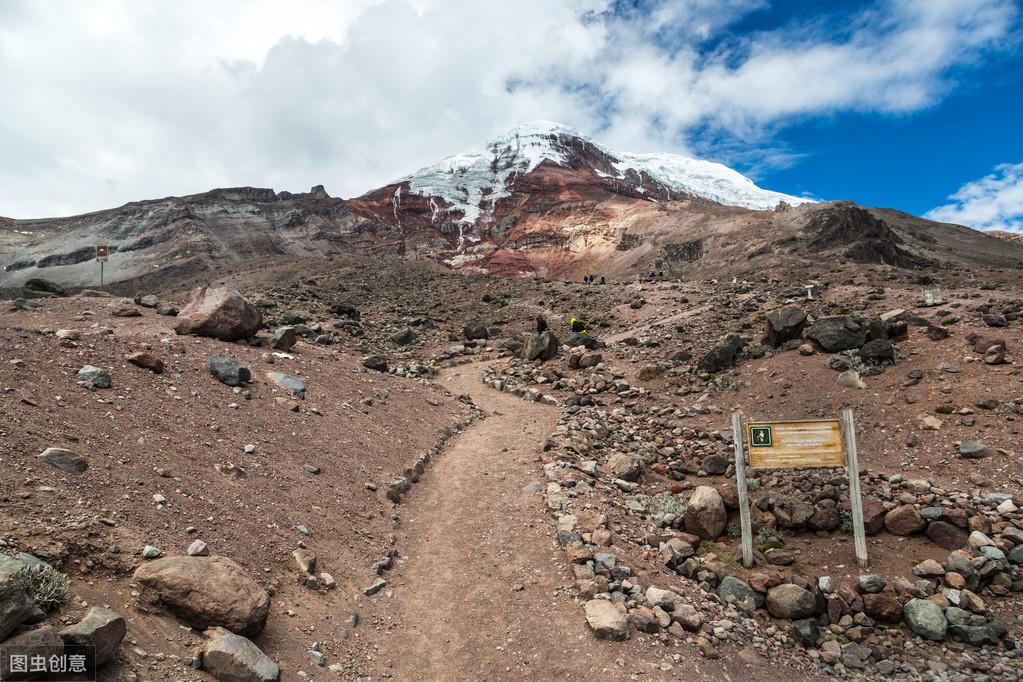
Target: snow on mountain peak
{"type": "Point", "coordinates": [472, 182]}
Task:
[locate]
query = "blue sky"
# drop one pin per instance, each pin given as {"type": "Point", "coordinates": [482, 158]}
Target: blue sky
{"type": "Point", "coordinates": [911, 104]}
{"type": "Point", "coordinates": [907, 160]}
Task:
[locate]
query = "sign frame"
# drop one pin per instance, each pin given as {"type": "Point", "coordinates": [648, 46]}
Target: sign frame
{"type": "Point", "coordinates": [102, 254]}
{"type": "Point", "coordinates": [848, 443]}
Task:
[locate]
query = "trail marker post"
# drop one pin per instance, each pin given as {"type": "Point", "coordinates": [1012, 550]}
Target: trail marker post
{"type": "Point", "coordinates": [798, 444]}
{"type": "Point", "coordinates": [101, 256]}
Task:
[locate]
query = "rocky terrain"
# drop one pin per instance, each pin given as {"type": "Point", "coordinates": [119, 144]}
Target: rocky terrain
{"type": "Point", "coordinates": [541, 200]}
{"type": "Point", "coordinates": [370, 468]}
{"type": "Point", "coordinates": [304, 438]}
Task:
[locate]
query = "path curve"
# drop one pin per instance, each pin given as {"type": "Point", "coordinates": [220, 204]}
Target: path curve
{"type": "Point", "coordinates": [482, 592]}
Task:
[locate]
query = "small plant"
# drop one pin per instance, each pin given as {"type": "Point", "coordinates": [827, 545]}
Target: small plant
{"type": "Point", "coordinates": [45, 585]}
{"type": "Point", "coordinates": [847, 521]}
{"type": "Point", "coordinates": [769, 538]}
{"type": "Point", "coordinates": [733, 530]}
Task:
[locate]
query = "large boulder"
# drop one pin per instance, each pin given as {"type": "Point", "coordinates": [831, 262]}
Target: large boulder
{"type": "Point", "coordinates": [734, 591]}
{"type": "Point", "coordinates": [606, 621]}
{"type": "Point", "coordinates": [101, 628]}
{"type": "Point", "coordinates": [837, 333]}
{"type": "Point", "coordinates": [722, 356]}
{"type": "Point", "coordinates": [705, 515]}
{"type": "Point", "coordinates": [784, 324]}
{"type": "Point", "coordinates": [904, 520]}
{"type": "Point", "coordinates": [540, 346]}
{"type": "Point", "coordinates": [38, 287]}
{"type": "Point", "coordinates": [947, 535]}
{"type": "Point", "coordinates": [42, 642]}
{"type": "Point", "coordinates": [220, 313]}
{"type": "Point", "coordinates": [883, 606]}
{"type": "Point", "coordinates": [925, 618]}
{"type": "Point", "coordinates": [233, 658]}
{"type": "Point", "coordinates": [475, 331]}
{"type": "Point", "coordinates": [206, 592]}
{"type": "Point", "coordinates": [15, 606]}
{"type": "Point", "coordinates": [790, 601]}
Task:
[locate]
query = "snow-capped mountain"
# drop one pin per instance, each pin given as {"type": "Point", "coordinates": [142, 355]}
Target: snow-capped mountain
{"type": "Point", "coordinates": [540, 200]}
{"type": "Point", "coordinates": [465, 186]}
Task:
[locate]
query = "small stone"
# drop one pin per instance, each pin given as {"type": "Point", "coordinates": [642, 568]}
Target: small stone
{"type": "Point", "coordinates": [197, 548]}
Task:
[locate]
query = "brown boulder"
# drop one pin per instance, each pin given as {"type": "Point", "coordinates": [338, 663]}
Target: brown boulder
{"type": "Point", "coordinates": [220, 313]}
{"type": "Point", "coordinates": [873, 515]}
{"type": "Point", "coordinates": [206, 592]}
{"type": "Point", "coordinates": [705, 514]}
{"type": "Point", "coordinates": [904, 520]}
{"type": "Point", "coordinates": [947, 535]}
{"type": "Point", "coordinates": [884, 606]}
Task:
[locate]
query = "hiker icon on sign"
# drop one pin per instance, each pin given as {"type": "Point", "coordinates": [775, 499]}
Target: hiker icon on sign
{"type": "Point", "coordinates": [760, 436]}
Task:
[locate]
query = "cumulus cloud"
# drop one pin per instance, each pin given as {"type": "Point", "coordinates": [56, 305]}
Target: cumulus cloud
{"type": "Point", "coordinates": [994, 202]}
{"type": "Point", "coordinates": [115, 100]}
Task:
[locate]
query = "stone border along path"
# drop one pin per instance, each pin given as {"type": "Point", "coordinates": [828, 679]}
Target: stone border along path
{"type": "Point", "coordinates": [482, 591]}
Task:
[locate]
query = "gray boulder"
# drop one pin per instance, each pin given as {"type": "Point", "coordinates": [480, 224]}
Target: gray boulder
{"type": "Point", "coordinates": [15, 608]}
{"type": "Point", "coordinates": [837, 333]}
{"type": "Point", "coordinates": [44, 642]}
{"type": "Point", "coordinates": [722, 356]}
{"type": "Point", "coordinates": [285, 338]}
{"type": "Point", "coordinates": [65, 460]}
{"type": "Point", "coordinates": [540, 346]}
{"type": "Point", "coordinates": [101, 628]}
{"type": "Point", "coordinates": [228, 371]}
{"type": "Point", "coordinates": [735, 591]}
{"type": "Point", "coordinates": [974, 449]}
{"type": "Point", "coordinates": [232, 658]}
{"type": "Point", "coordinates": [784, 324]}
{"type": "Point", "coordinates": [790, 601]}
{"type": "Point", "coordinates": [925, 618]}
{"type": "Point", "coordinates": [289, 383]}
{"type": "Point", "coordinates": [95, 377]}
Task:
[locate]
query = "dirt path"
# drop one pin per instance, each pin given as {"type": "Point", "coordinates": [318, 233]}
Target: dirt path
{"type": "Point", "coordinates": [482, 593]}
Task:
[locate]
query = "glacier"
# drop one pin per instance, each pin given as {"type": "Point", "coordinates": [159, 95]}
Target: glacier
{"type": "Point", "coordinates": [472, 182]}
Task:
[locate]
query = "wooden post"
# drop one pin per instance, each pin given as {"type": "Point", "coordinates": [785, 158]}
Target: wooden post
{"type": "Point", "coordinates": [740, 481]}
{"type": "Point", "coordinates": [855, 496]}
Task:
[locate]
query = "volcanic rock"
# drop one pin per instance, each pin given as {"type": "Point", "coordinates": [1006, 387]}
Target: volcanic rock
{"type": "Point", "coordinates": [705, 515]}
{"type": "Point", "coordinates": [219, 313]}
{"type": "Point", "coordinates": [232, 658]}
{"type": "Point", "coordinates": [206, 591]}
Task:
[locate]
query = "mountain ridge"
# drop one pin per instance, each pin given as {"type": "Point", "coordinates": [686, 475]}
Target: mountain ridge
{"type": "Point", "coordinates": [541, 200]}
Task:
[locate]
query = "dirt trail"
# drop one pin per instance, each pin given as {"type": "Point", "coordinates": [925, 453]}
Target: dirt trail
{"type": "Point", "coordinates": [482, 592]}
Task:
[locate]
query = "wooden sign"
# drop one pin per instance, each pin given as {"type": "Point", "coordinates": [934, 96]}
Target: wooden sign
{"type": "Point", "coordinates": [932, 297]}
{"type": "Point", "coordinates": [102, 252]}
{"type": "Point", "coordinates": [789, 444]}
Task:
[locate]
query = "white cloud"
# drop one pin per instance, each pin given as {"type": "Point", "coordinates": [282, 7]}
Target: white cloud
{"type": "Point", "coordinates": [994, 202]}
{"type": "Point", "coordinates": [115, 100]}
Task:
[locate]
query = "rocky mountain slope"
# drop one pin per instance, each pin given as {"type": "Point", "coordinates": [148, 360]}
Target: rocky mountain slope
{"type": "Point", "coordinates": [540, 200]}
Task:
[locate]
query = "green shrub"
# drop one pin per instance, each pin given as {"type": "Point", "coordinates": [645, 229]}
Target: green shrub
{"type": "Point", "coordinates": [48, 587]}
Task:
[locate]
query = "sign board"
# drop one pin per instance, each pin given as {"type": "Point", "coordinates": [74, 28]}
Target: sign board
{"type": "Point", "coordinates": [932, 297]}
{"type": "Point", "coordinates": [102, 252]}
{"type": "Point", "coordinates": [798, 444]}
{"type": "Point", "coordinates": [788, 444]}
